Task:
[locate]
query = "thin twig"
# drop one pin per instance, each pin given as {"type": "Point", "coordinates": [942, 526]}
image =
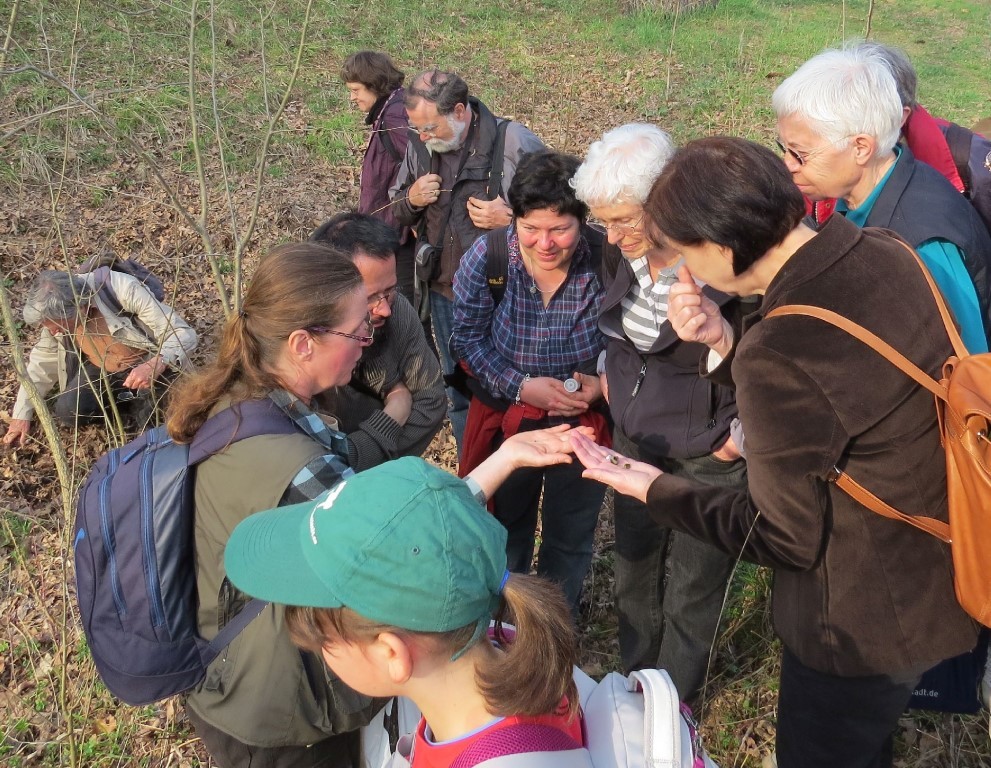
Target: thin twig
{"type": "Point", "coordinates": [218, 124]}
{"type": "Point", "coordinates": [8, 39]}
{"type": "Point", "coordinates": [218, 278]}
{"type": "Point", "coordinates": [263, 157]}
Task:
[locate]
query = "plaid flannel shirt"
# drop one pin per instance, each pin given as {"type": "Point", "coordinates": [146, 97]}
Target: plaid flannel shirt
{"type": "Point", "coordinates": [501, 345]}
{"type": "Point", "coordinates": [325, 471]}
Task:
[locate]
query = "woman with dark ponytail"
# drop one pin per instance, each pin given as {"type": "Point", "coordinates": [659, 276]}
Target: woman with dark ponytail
{"type": "Point", "coordinates": [301, 330]}
{"type": "Point", "coordinates": [395, 577]}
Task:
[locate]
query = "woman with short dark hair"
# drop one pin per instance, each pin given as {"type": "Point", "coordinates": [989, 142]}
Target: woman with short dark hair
{"type": "Point", "coordinates": [375, 86]}
{"type": "Point", "coordinates": [532, 359]}
{"type": "Point", "coordinates": [863, 604]}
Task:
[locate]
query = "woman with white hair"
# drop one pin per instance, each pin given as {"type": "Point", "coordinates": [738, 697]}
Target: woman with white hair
{"type": "Point", "coordinates": [839, 119]}
{"type": "Point", "coordinates": [669, 586]}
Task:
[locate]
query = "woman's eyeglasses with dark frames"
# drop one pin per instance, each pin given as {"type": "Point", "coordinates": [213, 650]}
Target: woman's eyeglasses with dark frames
{"type": "Point", "coordinates": [321, 329]}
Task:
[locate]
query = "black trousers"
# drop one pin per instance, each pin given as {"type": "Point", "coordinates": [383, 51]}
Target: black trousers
{"type": "Point", "coordinates": [826, 721]}
{"type": "Point", "coordinates": [88, 392]}
{"type": "Point", "coordinates": [343, 751]}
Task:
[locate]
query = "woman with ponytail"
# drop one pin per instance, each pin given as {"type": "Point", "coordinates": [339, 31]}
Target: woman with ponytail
{"type": "Point", "coordinates": [301, 330]}
{"type": "Point", "coordinates": [394, 579]}
{"type": "Point", "coordinates": [302, 327]}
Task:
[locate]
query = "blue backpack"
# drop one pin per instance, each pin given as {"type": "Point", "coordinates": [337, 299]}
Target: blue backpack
{"type": "Point", "coordinates": [135, 565]}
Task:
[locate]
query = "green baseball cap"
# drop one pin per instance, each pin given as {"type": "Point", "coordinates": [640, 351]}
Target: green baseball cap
{"type": "Point", "coordinates": [403, 543]}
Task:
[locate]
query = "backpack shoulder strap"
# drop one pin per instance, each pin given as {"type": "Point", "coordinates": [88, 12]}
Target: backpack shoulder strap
{"type": "Point", "coordinates": [389, 144]}
{"type": "Point", "coordinates": [498, 169]}
{"type": "Point", "coordinates": [233, 628]}
{"type": "Point", "coordinates": [249, 418]}
{"type": "Point", "coordinates": [873, 341]}
{"type": "Point", "coordinates": [959, 139]}
{"type": "Point", "coordinates": [605, 257]}
{"type": "Point", "coordinates": [661, 716]}
{"type": "Point", "coordinates": [519, 739]}
{"type": "Point", "coordinates": [103, 288]}
{"type": "Point", "coordinates": [846, 483]}
{"type": "Point", "coordinates": [496, 262]}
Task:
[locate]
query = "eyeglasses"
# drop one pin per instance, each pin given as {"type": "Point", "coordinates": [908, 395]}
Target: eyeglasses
{"type": "Point", "coordinates": [427, 130]}
{"type": "Point", "coordinates": [375, 300]}
{"type": "Point", "coordinates": [321, 329]}
{"type": "Point", "coordinates": [620, 228]}
{"type": "Point", "coordinates": [803, 157]}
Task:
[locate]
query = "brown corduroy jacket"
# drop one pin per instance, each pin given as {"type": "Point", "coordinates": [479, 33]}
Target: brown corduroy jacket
{"type": "Point", "coordinates": [854, 593]}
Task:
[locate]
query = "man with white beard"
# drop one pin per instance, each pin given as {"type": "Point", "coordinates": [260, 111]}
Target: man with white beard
{"type": "Point", "coordinates": [450, 192]}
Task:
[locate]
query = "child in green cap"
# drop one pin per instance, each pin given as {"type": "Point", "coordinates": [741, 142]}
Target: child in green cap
{"type": "Point", "coordinates": [395, 575]}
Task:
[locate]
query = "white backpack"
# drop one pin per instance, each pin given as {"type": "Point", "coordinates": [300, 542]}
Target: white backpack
{"type": "Point", "coordinates": [639, 721]}
{"type": "Point", "coordinates": [630, 722]}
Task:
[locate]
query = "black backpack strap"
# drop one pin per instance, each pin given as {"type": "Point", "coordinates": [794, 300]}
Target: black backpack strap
{"type": "Point", "coordinates": [389, 144]}
{"type": "Point", "coordinates": [959, 139]}
{"type": "Point", "coordinates": [498, 169]}
{"type": "Point", "coordinates": [248, 418]}
{"type": "Point", "coordinates": [496, 263]}
{"type": "Point", "coordinates": [605, 257]}
{"type": "Point", "coordinates": [232, 629]}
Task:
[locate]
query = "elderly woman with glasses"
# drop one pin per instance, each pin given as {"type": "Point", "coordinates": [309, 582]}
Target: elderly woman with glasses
{"type": "Point", "coordinates": [669, 586]}
{"type": "Point", "coordinates": [839, 118]}
{"type": "Point", "coordinates": [863, 604]}
{"type": "Point", "coordinates": [526, 300]}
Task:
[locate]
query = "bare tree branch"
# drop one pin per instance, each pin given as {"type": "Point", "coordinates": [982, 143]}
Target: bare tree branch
{"type": "Point", "coordinates": [8, 39]}
{"type": "Point", "coordinates": [263, 157]}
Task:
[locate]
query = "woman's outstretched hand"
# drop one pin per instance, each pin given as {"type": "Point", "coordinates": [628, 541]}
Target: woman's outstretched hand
{"type": "Point", "coordinates": [629, 477]}
{"type": "Point", "coordinates": [539, 448]}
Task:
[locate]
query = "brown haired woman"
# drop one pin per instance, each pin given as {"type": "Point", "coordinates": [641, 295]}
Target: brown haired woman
{"type": "Point", "coordinates": [375, 86]}
{"type": "Point", "coordinates": [302, 328]}
{"type": "Point", "coordinates": [303, 325]}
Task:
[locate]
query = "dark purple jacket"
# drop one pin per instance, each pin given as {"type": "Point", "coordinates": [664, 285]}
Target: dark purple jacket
{"type": "Point", "coordinates": [378, 169]}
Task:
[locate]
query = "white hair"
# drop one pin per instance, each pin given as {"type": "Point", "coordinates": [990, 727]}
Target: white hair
{"type": "Point", "coordinates": [623, 165]}
{"type": "Point", "coordinates": [842, 94]}
{"type": "Point", "coordinates": [56, 296]}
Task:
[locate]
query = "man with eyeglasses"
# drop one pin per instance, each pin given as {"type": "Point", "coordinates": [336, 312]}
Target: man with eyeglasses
{"type": "Point", "coordinates": [451, 190]}
{"type": "Point", "coordinates": [394, 404]}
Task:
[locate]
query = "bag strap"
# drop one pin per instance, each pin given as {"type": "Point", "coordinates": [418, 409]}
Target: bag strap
{"type": "Point", "coordinates": [934, 527]}
{"type": "Point", "coordinates": [389, 144]}
{"type": "Point", "coordinates": [662, 716]}
{"type": "Point", "coordinates": [497, 170]}
{"type": "Point", "coordinates": [496, 263]}
{"type": "Point", "coordinates": [232, 629]}
{"type": "Point", "coordinates": [248, 418]}
{"type": "Point", "coordinates": [384, 133]}
{"type": "Point", "coordinates": [873, 341]}
{"type": "Point", "coordinates": [959, 139]}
